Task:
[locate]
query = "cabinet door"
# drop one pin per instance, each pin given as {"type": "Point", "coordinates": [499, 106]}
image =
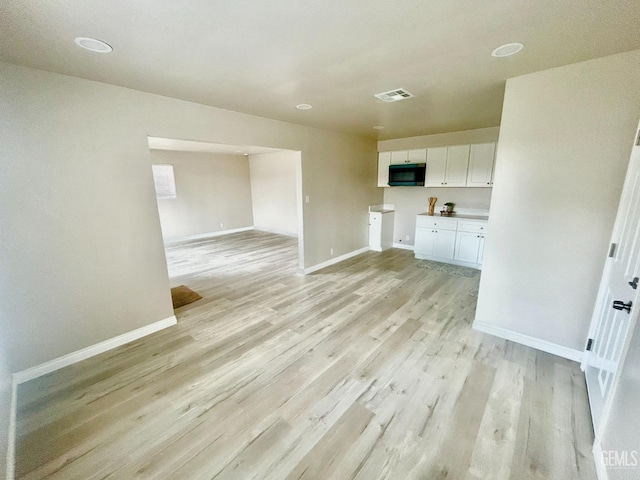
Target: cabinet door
{"type": "Point", "coordinates": [457, 166]}
{"type": "Point", "coordinates": [436, 167]}
{"type": "Point", "coordinates": [425, 240]}
{"type": "Point", "coordinates": [481, 165]}
{"type": "Point", "coordinates": [375, 235]}
{"type": "Point", "coordinates": [417, 156]}
{"type": "Point", "coordinates": [401, 156]}
{"type": "Point", "coordinates": [481, 248]}
{"type": "Point", "coordinates": [468, 247]}
{"type": "Point", "coordinates": [445, 244]}
{"type": "Point", "coordinates": [384, 159]}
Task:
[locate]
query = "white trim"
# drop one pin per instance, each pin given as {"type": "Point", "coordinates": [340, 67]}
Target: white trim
{"type": "Point", "coordinates": [403, 246]}
{"type": "Point", "coordinates": [545, 346]}
{"type": "Point", "coordinates": [276, 231]}
{"type": "Point", "coordinates": [333, 261]}
{"type": "Point", "coordinates": [601, 469]}
{"type": "Point", "coordinates": [11, 434]}
{"type": "Point", "coordinates": [88, 352]}
{"type": "Point", "coordinates": [202, 236]}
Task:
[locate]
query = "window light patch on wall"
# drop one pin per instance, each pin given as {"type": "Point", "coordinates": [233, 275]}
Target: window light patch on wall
{"type": "Point", "coordinates": [164, 181]}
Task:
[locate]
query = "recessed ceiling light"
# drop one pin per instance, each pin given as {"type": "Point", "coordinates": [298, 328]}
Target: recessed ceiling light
{"type": "Point", "coordinates": [93, 45]}
{"type": "Point", "coordinates": [507, 50]}
{"type": "Point", "coordinates": [304, 106]}
{"type": "Point", "coordinates": [378, 127]}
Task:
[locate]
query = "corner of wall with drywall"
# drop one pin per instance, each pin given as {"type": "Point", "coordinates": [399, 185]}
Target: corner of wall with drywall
{"type": "Point", "coordinates": [80, 218]}
{"type": "Point", "coordinates": [565, 142]}
{"type": "Point", "coordinates": [275, 191]}
{"type": "Point", "coordinates": [213, 194]}
{"type": "Point", "coordinates": [410, 201]}
{"type": "Point", "coordinates": [339, 176]}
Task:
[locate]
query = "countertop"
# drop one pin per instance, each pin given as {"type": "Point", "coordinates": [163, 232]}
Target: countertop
{"type": "Point", "coordinates": [458, 217]}
{"type": "Point", "coordinates": [381, 211]}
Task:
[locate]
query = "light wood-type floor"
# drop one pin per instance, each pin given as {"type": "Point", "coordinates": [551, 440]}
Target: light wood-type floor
{"type": "Point", "coordinates": [365, 370]}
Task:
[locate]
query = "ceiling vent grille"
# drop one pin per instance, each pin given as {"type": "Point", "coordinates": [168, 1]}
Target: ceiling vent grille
{"type": "Point", "coordinates": [394, 95]}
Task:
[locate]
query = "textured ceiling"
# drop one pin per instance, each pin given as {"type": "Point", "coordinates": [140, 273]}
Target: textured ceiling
{"type": "Point", "coordinates": [265, 57]}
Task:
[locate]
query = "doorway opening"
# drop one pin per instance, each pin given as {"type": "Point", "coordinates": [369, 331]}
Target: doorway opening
{"type": "Point", "coordinates": [222, 189]}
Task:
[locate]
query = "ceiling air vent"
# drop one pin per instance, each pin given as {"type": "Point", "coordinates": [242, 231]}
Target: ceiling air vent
{"type": "Point", "coordinates": [394, 95]}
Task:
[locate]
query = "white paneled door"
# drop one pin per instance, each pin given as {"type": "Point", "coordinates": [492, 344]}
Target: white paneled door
{"type": "Point", "coordinates": [618, 303]}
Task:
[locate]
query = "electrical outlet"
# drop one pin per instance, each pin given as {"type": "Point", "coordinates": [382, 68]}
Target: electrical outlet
{"type": "Point", "coordinates": [331, 251]}
{"type": "Point", "coordinates": [221, 225]}
{"type": "Point", "coordinates": [306, 198]}
{"type": "Point", "coordinates": [407, 238]}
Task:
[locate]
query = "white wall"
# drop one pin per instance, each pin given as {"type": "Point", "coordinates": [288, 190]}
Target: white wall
{"type": "Point", "coordinates": [83, 257]}
{"type": "Point", "coordinates": [409, 201]}
{"type": "Point", "coordinates": [211, 189]}
{"type": "Point", "coordinates": [565, 141]}
{"type": "Point", "coordinates": [274, 192]}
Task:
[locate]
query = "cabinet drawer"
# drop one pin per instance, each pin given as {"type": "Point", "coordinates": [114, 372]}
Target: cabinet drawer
{"type": "Point", "coordinates": [436, 222]}
{"type": "Point", "coordinates": [473, 227]}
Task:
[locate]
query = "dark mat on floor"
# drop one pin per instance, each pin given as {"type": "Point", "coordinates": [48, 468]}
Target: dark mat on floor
{"type": "Point", "coordinates": [182, 296]}
{"type": "Point", "coordinates": [448, 268]}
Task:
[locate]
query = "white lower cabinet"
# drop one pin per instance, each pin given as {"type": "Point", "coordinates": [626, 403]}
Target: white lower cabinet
{"type": "Point", "coordinates": [435, 243]}
{"type": "Point", "coordinates": [451, 241]}
{"type": "Point", "coordinates": [469, 247]}
{"type": "Point", "coordinates": [380, 230]}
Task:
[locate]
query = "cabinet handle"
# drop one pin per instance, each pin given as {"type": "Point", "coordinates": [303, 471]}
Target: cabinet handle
{"type": "Point", "coordinates": [620, 305]}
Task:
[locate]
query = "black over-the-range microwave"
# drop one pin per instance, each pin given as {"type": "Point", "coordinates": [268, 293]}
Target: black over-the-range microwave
{"type": "Point", "coordinates": [407, 174]}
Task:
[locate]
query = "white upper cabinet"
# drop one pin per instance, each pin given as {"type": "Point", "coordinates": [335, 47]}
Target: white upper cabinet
{"type": "Point", "coordinates": [384, 159]}
{"type": "Point", "coordinates": [447, 166]}
{"type": "Point", "coordinates": [481, 161]}
{"type": "Point", "coordinates": [400, 156]}
{"type": "Point", "coordinates": [417, 156]}
{"type": "Point", "coordinates": [454, 166]}
{"type": "Point", "coordinates": [436, 167]}
{"type": "Point", "coordinates": [457, 165]}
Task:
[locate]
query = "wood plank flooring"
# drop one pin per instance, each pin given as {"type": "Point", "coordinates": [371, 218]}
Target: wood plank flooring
{"type": "Point", "coordinates": [365, 370]}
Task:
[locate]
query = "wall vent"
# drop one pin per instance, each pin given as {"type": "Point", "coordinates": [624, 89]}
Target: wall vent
{"type": "Point", "coordinates": [394, 95]}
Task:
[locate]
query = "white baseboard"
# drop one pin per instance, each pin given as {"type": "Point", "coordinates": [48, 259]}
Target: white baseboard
{"type": "Point", "coordinates": [202, 236]}
{"type": "Point", "coordinates": [333, 261]}
{"type": "Point", "coordinates": [88, 352]}
{"type": "Point", "coordinates": [277, 231]}
{"type": "Point", "coordinates": [403, 246]}
{"type": "Point", "coordinates": [545, 346]}
{"type": "Point", "coordinates": [601, 469]}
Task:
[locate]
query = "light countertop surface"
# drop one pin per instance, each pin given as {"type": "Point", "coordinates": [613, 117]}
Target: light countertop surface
{"type": "Point", "coordinates": [458, 217]}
